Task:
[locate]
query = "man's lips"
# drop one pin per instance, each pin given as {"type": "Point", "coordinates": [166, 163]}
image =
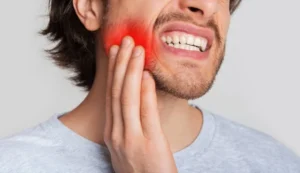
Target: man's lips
{"type": "Point", "coordinates": [191, 29]}
{"type": "Point", "coordinates": [186, 40]}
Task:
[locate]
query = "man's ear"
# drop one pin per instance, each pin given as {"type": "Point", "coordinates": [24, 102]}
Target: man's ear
{"type": "Point", "coordinates": [89, 12]}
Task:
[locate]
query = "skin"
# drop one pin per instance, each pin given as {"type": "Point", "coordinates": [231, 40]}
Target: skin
{"type": "Point", "coordinates": [139, 110]}
{"type": "Point", "coordinates": [137, 30]}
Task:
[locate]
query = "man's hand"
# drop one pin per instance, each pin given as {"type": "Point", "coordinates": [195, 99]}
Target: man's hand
{"type": "Point", "coordinates": [133, 133]}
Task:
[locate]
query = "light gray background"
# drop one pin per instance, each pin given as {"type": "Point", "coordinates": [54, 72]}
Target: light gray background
{"type": "Point", "coordinates": [258, 84]}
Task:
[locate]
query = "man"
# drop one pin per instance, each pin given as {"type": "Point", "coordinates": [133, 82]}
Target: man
{"type": "Point", "coordinates": [141, 62]}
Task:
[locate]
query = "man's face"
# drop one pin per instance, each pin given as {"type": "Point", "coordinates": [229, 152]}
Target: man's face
{"type": "Point", "coordinates": [184, 39]}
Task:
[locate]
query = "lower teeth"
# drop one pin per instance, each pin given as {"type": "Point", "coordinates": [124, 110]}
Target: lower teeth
{"type": "Point", "coordinates": [185, 47]}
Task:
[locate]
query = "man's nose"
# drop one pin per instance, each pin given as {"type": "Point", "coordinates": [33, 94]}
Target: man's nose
{"type": "Point", "coordinates": [203, 9]}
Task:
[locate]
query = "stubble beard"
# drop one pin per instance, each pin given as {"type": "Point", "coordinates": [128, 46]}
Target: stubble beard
{"type": "Point", "coordinates": [185, 84]}
{"type": "Point", "coordinates": [182, 83]}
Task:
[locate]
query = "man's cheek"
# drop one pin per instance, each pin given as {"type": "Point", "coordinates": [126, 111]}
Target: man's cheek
{"type": "Point", "coordinates": [140, 32]}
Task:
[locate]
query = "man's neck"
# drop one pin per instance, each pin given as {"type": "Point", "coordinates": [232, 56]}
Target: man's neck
{"type": "Point", "coordinates": [180, 122]}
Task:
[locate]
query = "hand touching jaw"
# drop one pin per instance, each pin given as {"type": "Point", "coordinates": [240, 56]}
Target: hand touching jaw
{"type": "Point", "coordinates": [184, 41]}
{"type": "Point", "coordinates": [137, 30]}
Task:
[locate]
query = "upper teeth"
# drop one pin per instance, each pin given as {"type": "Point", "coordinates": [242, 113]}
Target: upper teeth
{"type": "Point", "coordinates": [189, 40]}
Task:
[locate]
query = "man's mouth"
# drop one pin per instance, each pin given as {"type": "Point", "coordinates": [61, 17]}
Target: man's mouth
{"type": "Point", "coordinates": [185, 41]}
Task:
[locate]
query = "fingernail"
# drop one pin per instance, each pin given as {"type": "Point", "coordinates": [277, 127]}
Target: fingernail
{"type": "Point", "coordinates": [126, 41]}
{"type": "Point", "coordinates": [114, 51]}
{"type": "Point", "coordinates": [137, 52]}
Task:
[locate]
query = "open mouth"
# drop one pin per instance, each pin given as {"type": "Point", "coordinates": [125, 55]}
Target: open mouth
{"type": "Point", "coordinates": [187, 40]}
{"type": "Point", "coordinates": [180, 40]}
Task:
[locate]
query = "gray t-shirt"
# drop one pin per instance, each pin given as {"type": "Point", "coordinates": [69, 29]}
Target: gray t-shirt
{"type": "Point", "coordinates": [221, 147]}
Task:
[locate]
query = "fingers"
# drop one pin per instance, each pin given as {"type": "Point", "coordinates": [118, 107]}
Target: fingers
{"type": "Point", "coordinates": [108, 111]}
{"type": "Point", "coordinates": [149, 110]}
{"type": "Point", "coordinates": [131, 92]}
{"type": "Point", "coordinates": [120, 67]}
{"type": "Point", "coordinates": [132, 104]}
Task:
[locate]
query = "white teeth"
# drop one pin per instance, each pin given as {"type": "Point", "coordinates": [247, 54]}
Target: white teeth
{"type": "Point", "coordinates": [186, 41]}
{"type": "Point", "coordinates": [175, 39]}
{"type": "Point", "coordinates": [190, 40]}
{"type": "Point", "coordinates": [169, 39]}
{"type": "Point", "coordinates": [164, 39]}
{"type": "Point", "coordinates": [201, 45]}
{"type": "Point", "coordinates": [182, 40]}
{"type": "Point", "coordinates": [186, 47]}
{"type": "Point", "coordinates": [197, 42]}
{"type": "Point", "coordinates": [182, 46]}
{"type": "Point", "coordinates": [204, 45]}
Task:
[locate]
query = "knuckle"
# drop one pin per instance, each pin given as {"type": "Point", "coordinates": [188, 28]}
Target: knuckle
{"type": "Point", "coordinates": [145, 115]}
{"type": "Point", "coordinates": [115, 93]}
{"type": "Point", "coordinates": [145, 111]}
{"type": "Point", "coordinates": [116, 142]}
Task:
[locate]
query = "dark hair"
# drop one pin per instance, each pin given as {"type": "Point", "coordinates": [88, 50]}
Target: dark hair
{"type": "Point", "coordinates": [75, 48]}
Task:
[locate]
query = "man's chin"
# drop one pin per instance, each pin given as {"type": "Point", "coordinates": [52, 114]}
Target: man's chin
{"type": "Point", "coordinates": [188, 89]}
{"type": "Point", "coordinates": [186, 79]}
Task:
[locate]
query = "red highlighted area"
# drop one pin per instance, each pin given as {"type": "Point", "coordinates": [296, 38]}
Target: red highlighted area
{"type": "Point", "coordinates": [140, 33]}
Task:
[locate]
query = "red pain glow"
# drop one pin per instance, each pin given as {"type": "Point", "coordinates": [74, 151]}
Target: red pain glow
{"type": "Point", "coordinates": [137, 30]}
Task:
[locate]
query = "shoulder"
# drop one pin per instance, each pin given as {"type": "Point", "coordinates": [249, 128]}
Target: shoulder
{"type": "Point", "coordinates": [20, 152]}
{"type": "Point", "coordinates": [13, 155]}
{"type": "Point", "coordinates": [255, 148]}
